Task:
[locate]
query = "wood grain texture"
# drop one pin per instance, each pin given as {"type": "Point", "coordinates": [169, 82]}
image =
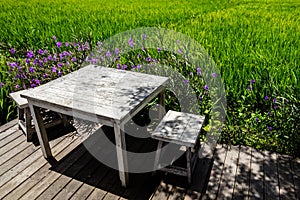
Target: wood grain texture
{"type": "Point", "coordinates": [241, 186]}
{"type": "Point", "coordinates": [109, 92]}
{"type": "Point", "coordinates": [229, 174]}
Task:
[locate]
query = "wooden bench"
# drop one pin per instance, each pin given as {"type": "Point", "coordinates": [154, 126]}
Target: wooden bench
{"type": "Point", "coordinates": [25, 119]}
{"type": "Point", "coordinates": [181, 129]}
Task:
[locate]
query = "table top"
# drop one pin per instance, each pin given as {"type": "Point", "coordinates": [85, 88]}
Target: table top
{"type": "Point", "coordinates": [107, 92]}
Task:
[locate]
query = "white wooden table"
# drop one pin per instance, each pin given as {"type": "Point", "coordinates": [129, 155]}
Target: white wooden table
{"type": "Point", "coordinates": [99, 94]}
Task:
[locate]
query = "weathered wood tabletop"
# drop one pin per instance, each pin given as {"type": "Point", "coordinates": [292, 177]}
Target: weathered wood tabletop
{"type": "Point", "coordinates": [104, 95]}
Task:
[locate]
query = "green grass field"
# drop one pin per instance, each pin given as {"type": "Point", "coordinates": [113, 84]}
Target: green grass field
{"type": "Point", "coordinates": [248, 39]}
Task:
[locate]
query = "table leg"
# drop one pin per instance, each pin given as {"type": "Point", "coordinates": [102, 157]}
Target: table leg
{"type": "Point", "coordinates": [161, 101]}
{"type": "Point", "coordinates": [121, 153]}
{"type": "Point", "coordinates": [40, 130]}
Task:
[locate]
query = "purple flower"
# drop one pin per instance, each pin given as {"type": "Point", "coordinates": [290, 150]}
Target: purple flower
{"type": "Point", "coordinates": [59, 73]}
{"type": "Point", "coordinates": [17, 87]}
{"type": "Point", "coordinates": [59, 64]}
{"type": "Point", "coordinates": [198, 71]}
{"type": "Point", "coordinates": [40, 51]}
{"type": "Point", "coordinates": [99, 43]}
{"type": "Point", "coordinates": [31, 69]}
{"type": "Point", "coordinates": [148, 59]}
{"type": "Point", "coordinates": [119, 66]}
{"type": "Point", "coordinates": [274, 100]}
{"type": "Point", "coordinates": [58, 44]}
{"type": "Point", "coordinates": [18, 75]}
{"type": "Point", "coordinates": [34, 62]}
{"type": "Point", "coordinates": [206, 87]}
{"type": "Point", "coordinates": [74, 44]}
{"type": "Point", "coordinates": [269, 113]}
{"type": "Point", "coordinates": [32, 85]}
{"type": "Point", "coordinates": [256, 119]}
{"type": "Point", "coordinates": [270, 128]}
{"type": "Point", "coordinates": [117, 51]}
{"type": "Point", "coordinates": [12, 51]}
{"type": "Point", "coordinates": [179, 51]}
{"type": "Point", "coordinates": [144, 36]}
{"type": "Point", "coordinates": [54, 69]}
{"type": "Point", "coordinates": [108, 54]}
{"type": "Point", "coordinates": [249, 87]}
{"type": "Point", "coordinates": [133, 67]}
{"type": "Point", "coordinates": [45, 60]}
{"type": "Point", "coordinates": [191, 74]}
{"type": "Point", "coordinates": [213, 75]}
{"type": "Point", "coordinates": [266, 97]}
{"type": "Point", "coordinates": [186, 82]}
{"type": "Point", "coordinates": [143, 49]}
{"type": "Point", "coordinates": [24, 87]}
{"type": "Point", "coordinates": [68, 63]}
{"type": "Point", "coordinates": [23, 76]}
{"type": "Point", "coordinates": [124, 67]}
{"type": "Point", "coordinates": [130, 42]}
{"type": "Point", "coordinates": [49, 57]}
{"type": "Point", "coordinates": [200, 98]}
{"type": "Point", "coordinates": [139, 55]}
{"type": "Point", "coordinates": [37, 81]}
{"type": "Point", "coordinates": [252, 81]}
{"type": "Point", "coordinates": [30, 54]}
{"type": "Point", "coordinates": [73, 59]}
{"type": "Point", "coordinates": [94, 61]}
{"type": "Point", "coordinates": [275, 107]}
{"type": "Point", "coordinates": [45, 75]}
{"type": "Point", "coordinates": [13, 64]}
{"type": "Point", "coordinates": [158, 50]}
{"type": "Point", "coordinates": [27, 61]}
{"type": "Point", "coordinates": [54, 37]}
{"type": "Point", "coordinates": [1, 84]}
{"type": "Point", "coordinates": [139, 66]}
{"type": "Point", "coordinates": [41, 63]}
{"type": "Point", "coordinates": [67, 44]}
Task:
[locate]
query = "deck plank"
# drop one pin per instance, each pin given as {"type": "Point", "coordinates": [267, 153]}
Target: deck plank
{"type": "Point", "coordinates": [74, 185]}
{"type": "Point", "coordinates": [39, 173]}
{"type": "Point", "coordinates": [229, 173]}
{"type": "Point", "coordinates": [6, 126]}
{"type": "Point", "coordinates": [286, 183]}
{"type": "Point", "coordinates": [296, 170]}
{"type": "Point", "coordinates": [162, 191]}
{"type": "Point", "coordinates": [52, 175]}
{"type": "Point", "coordinates": [65, 178]}
{"type": "Point", "coordinates": [216, 173]}
{"type": "Point", "coordinates": [256, 190]}
{"type": "Point", "coordinates": [14, 151]}
{"type": "Point", "coordinates": [39, 168]}
{"type": "Point", "coordinates": [9, 135]}
{"type": "Point", "coordinates": [243, 174]}
{"type": "Point", "coordinates": [271, 176]}
{"type": "Point", "coordinates": [26, 157]}
{"type": "Point", "coordinates": [256, 174]}
{"type": "Point", "coordinates": [7, 147]}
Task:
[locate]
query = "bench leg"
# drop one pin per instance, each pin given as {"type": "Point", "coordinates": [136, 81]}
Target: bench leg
{"type": "Point", "coordinates": [157, 155]}
{"type": "Point", "coordinates": [28, 127]}
{"type": "Point", "coordinates": [161, 100]}
{"type": "Point", "coordinates": [188, 165]}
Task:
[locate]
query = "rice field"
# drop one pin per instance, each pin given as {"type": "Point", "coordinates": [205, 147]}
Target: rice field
{"type": "Point", "coordinates": [248, 39]}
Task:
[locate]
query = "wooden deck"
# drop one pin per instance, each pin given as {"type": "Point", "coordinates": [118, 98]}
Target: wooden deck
{"type": "Point", "coordinates": [233, 173]}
